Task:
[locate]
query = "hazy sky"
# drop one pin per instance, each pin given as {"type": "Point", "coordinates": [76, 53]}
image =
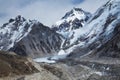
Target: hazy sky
{"type": "Point", "coordinates": [45, 11]}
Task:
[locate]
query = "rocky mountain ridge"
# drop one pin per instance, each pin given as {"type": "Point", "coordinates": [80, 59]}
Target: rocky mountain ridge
{"type": "Point", "coordinates": [29, 38]}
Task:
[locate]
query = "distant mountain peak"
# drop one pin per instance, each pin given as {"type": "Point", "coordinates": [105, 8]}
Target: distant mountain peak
{"type": "Point", "coordinates": [74, 19]}
{"type": "Point", "coordinates": [73, 12]}
{"type": "Point", "coordinates": [76, 14]}
{"type": "Point", "coordinates": [18, 18]}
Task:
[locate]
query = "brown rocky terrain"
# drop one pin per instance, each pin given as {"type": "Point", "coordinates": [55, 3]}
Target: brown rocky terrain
{"type": "Point", "coordinates": [12, 64]}
{"type": "Point", "coordinates": [14, 67]}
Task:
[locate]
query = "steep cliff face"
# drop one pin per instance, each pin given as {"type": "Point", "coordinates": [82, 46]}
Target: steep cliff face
{"type": "Point", "coordinates": [41, 41]}
{"type": "Point", "coordinates": [112, 47]}
{"type": "Point", "coordinates": [29, 38]}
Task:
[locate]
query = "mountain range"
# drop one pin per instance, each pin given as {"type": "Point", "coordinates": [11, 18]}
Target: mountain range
{"type": "Point", "coordinates": [82, 46]}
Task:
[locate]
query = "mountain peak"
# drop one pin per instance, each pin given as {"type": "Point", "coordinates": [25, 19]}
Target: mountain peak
{"type": "Point", "coordinates": [73, 19]}
{"type": "Point", "coordinates": [14, 30]}
{"type": "Point", "coordinates": [75, 12]}
{"type": "Point", "coordinates": [18, 18]}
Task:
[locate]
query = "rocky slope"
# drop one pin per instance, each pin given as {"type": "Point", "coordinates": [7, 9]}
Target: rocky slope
{"type": "Point", "coordinates": [15, 67]}
{"type": "Point", "coordinates": [29, 38]}
{"type": "Point", "coordinates": [11, 65]}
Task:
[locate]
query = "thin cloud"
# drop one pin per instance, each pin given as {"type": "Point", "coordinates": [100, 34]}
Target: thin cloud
{"type": "Point", "coordinates": [91, 5]}
{"type": "Point", "coordinates": [77, 1]}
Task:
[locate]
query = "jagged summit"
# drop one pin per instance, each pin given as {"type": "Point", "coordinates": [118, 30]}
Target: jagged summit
{"type": "Point", "coordinates": [13, 31]}
{"type": "Point", "coordinates": [73, 20]}
{"type": "Point", "coordinates": [75, 13]}
{"type": "Point", "coordinates": [17, 18]}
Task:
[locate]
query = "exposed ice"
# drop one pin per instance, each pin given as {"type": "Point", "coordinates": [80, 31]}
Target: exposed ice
{"type": "Point", "coordinates": [99, 73]}
{"type": "Point", "coordinates": [46, 60]}
{"type": "Point", "coordinates": [52, 59]}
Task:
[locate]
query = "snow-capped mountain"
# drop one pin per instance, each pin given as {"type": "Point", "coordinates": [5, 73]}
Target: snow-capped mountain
{"type": "Point", "coordinates": [108, 30]}
{"type": "Point", "coordinates": [13, 31]}
{"type": "Point", "coordinates": [72, 21]}
{"type": "Point", "coordinates": [86, 49]}
{"type": "Point", "coordinates": [102, 33]}
{"type": "Point", "coordinates": [29, 37]}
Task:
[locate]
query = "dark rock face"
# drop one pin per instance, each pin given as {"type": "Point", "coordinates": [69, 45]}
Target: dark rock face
{"type": "Point", "coordinates": [109, 46]}
{"type": "Point", "coordinates": [112, 47]}
{"type": "Point", "coordinates": [41, 41]}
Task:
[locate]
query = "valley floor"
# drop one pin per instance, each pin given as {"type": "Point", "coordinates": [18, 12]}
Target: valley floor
{"type": "Point", "coordinates": [14, 67]}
